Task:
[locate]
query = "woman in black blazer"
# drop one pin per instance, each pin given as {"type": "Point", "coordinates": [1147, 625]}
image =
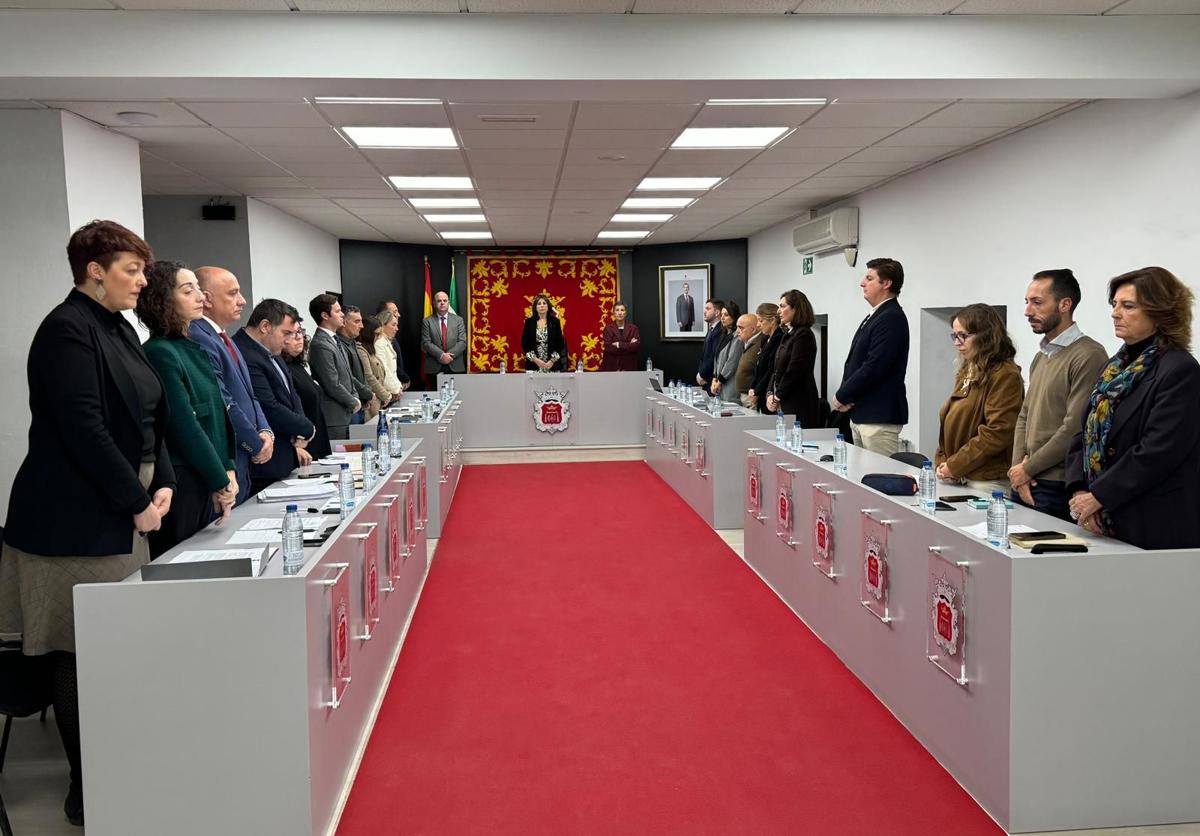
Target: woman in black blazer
{"type": "Point", "coordinates": [764, 366]}
{"type": "Point", "coordinates": [295, 351]}
{"type": "Point", "coordinates": [793, 388]}
{"type": "Point", "coordinates": [96, 477]}
{"type": "Point", "coordinates": [1133, 471]}
{"type": "Point", "coordinates": [542, 339]}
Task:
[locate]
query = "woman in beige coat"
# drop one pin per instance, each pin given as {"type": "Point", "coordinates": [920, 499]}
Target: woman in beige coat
{"type": "Point", "coordinates": [373, 370]}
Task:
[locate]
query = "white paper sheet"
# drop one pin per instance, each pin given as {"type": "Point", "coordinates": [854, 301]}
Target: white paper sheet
{"type": "Point", "coordinates": [205, 555]}
{"type": "Point", "coordinates": [980, 529]}
{"type": "Point", "coordinates": [289, 493]}
{"type": "Point", "coordinates": [276, 524]}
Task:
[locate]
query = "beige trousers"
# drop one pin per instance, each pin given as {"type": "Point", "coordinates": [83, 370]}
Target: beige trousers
{"type": "Point", "coordinates": [883, 439]}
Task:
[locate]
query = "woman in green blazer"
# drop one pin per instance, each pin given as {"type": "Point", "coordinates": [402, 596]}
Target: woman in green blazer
{"type": "Point", "coordinates": [199, 437]}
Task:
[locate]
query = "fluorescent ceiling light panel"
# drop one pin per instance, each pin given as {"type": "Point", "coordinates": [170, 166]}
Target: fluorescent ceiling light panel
{"type": "Point", "coordinates": [373, 100]}
{"type": "Point", "coordinates": [474, 236]}
{"type": "Point", "coordinates": [657, 202]}
{"type": "Point", "coordinates": [728, 137]}
{"type": "Point", "coordinates": [455, 219]}
{"type": "Point", "coordinates": [734, 102]}
{"type": "Point", "coordinates": [624, 233]}
{"type": "Point", "coordinates": [444, 202]}
{"type": "Point", "coordinates": [677, 184]}
{"type": "Point", "coordinates": [367, 137]}
{"type": "Point", "coordinates": [640, 218]}
{"type": "Point", "coordinates": [416, 184]}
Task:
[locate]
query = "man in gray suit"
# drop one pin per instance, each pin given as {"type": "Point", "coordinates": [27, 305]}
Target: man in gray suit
{"type": "Point", "coordinates": [329, 366]}
{"type": "Point", "coordinates": [685, 309]}
{"type": "Point", "coordinates": [444, 339]}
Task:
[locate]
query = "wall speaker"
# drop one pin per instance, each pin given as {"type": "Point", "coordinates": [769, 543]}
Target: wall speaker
{"type": "Point", "coordinates": [218, 212]}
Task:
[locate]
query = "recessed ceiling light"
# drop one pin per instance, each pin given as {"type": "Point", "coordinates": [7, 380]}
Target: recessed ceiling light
{"type": "Point", "coordinates": [427, 183]}
{"type": "Point", "coordinates": [624, 233]}
{"type": "Point", "coordinates": [371, 137]}
{"type": "Point", "coordinates": [373, 100]}
{"type": "Point", "coordinates": [720, 102]}
{"type": "Point", "coordinates": [641, 218]}
{"type": "Point", "coordinates": [657, 202]}
{"type": "Point", "coordinates": [472, 236]}
{"type": "Point", "coordinates": [455, 219]}
{"type": "Point", "coordinates": [611, 158]}
{"type": "Point", "coordinates": [728, 137]}
{"type": "Point", "coordinates": [136, 117]}
{"type": "Point", "coordinates": [445, 202]}
{"type": "Point", "coordinates": [677, 184]}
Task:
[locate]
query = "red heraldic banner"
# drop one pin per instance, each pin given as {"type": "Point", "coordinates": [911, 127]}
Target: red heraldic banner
{"type": "Point", "coordinates": [501, 290]}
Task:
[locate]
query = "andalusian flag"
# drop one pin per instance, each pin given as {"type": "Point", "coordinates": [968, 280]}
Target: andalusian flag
{"type": "Point", "coordinates": [453, 289]}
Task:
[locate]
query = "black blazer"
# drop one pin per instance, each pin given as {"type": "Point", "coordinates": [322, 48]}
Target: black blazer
{"type": "Point", "coordinates": [1150, 484]}
{"type": "Point", "coordinates": [793, 382]}
{"type": "Point", "coordinates": [77, 490]}
{"type": "Point", "coordinates": [712, 347]}
{"type": "Point", "coordinates": [873, 379]}
{"type": "Point", "coordinates": [764, 367]}
{"type": "Point", "coordinates": [281, 404]}
{"type": "Point", "coordinates": [310, 395]}
{"type": "Point", "coordinates": [555, 343]}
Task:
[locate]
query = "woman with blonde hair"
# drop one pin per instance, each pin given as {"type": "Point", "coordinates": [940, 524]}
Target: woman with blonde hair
{"type": "Point", "coordinates": [978, 420]}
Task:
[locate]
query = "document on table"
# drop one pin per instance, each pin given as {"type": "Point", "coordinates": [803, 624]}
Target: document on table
{"type": "Point", "coordinates": [311, 480]}
{"type": "Point", "coordinates": [276, 524]}
{"type": "Point", "coordinates": [980, 529]}
{"type": "Point", "coordinates": [289, 493]}
{"type": "Point", "coordinates": [255, 556]}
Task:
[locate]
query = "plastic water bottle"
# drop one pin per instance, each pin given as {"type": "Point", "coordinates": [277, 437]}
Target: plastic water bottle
{"type": "Point", "coordinates": [928, 485]}
{"type": "Point", "coordinates": [346, 489]}
{"type": "Point", "coordinates": [503, 367]}
{"type": "Point", "coordinates": [395, 445]}
{"type": "Point", "coordinates": [293, 541]}
{"type": "Point", "coordinates": [369, 467]}
{"type": "Point", "coordinates": [797, 442]}
{"type": "Point", "coordinates": [839, 454]}
{"type": "Point", "coordinates": [453, 387]}
{"type": "Point", "coordinates": [580, 365]}
{"type": "Point", "coordinates": [997, 521]}
{"type": "Point", "coordinates": [780, 428]}
{"type": "Point", "coordinates": [649, 365]}
{"type": "Point", "coordinates": [383, 447]}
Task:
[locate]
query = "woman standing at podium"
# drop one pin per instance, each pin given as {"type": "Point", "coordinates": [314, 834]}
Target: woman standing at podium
{"type": "Point", "coordinates": [97, 477]}
{"type": "Point", "coordinates": [542, 339]}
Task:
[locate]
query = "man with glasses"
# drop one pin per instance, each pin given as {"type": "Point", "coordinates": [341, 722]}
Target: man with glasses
{"type": "Point", "coordinates": [872, 389]}
{"type": "Point", "coordinates": [272, 325]}
{"type": "Point", "coordinates": [1061, 377]}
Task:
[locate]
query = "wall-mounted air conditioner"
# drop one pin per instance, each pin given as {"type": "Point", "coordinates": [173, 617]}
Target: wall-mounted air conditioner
{"type": "Point", "coordinates": [835, 231]}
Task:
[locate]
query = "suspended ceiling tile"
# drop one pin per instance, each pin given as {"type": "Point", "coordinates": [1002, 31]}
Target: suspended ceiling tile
{"type": "Point", "coordinates": [918, 136]}
{"type": "Point", "coordinates": [754, 116]}
{"type": "Point", "coordinates": [308, 137]}
{"type": "Point", "coordinates": [608, 140]}
{"type": "Point", "coordinates": [192, 136]}
{"type": "Point", "coordinates": [852, 169]}
{"type": "Point", "coordinates": [782, 171]}
{"type": "Point", "coordinates": [506, 156]}
{"type": "Point", "coordinates": [359, 168]}
{"type": "Point", "coordinates": [183, 185]}
{"type": "Point", "coordinates": [514, 138]}
{"type": "Point", "coordinates": [804, 155]}
{"type": "Point", "coordinates": [411, 6]}
{"type": "Point", "coordinates": [832, 137]}
{"type": "Point", "coordinates": [348, 192]}
{"type": "Point", "coordinates": [639, 116]}
{"type": "Point", "coordinates": [257, 114]}
{"type": "Point", "coordinates": [298, 202]}
{"type": "Point", "coordinates": [593, 193]}
{"type": "Point", "coordinates": [548, 6]}
{"type": "Point", "coordinates": [56, 4]}
{"type": "Point", "coordinates": [287, 154]}
{"type": "Point", "coordinates": [888, 154]}
{"type": "Point", "coordinates": [251, 183]}
{"type": "Point", "coordinates": [245, 168]}
{"type": "Point", "coordinates": [990, 114]}
{"type": "Point", "coordinates": [483, 184]}
{"type": "Point", "coordinates": [876, 7]}
{"type": "Point", "coordinates": [1158, 7]}
{"type": "Point", "coordinates": [873, 114]}
{"type": "Point", "coordinates": [1034, 7]}
{"type": "Point", "coordinates": [206, 5]}
{"type": "Point", "coordinates": [546, 115]}
{"type": "Point", "coordinates": [594, 156]}
{"type": "Point", "coordinates": [841, 184]}
{"type": "Point", "coordinates": [432, 161]}
{"type": "Point", "coordinates": [386, 115]}
{"type": "Point", "coordinates": [496, 171]}
{"type": "Point", "coordinates": [278, 192]}
{"type": "Point", "coordinates": [165, 114]}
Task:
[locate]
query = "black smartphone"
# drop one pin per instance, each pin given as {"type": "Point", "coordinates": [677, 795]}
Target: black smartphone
{"type": "Point", "coordinates": [942, 506]}
{"type": "Point", "coordinates": [958, 498]}
{"type": "Point", "coordinates": [1047, 548]}
{"type": "Point", "coordinates": [1042, 535]}
{"type": "Point", "coordinates": [825, 458]}
{"type": "Point", "coordinates": [319, 475]}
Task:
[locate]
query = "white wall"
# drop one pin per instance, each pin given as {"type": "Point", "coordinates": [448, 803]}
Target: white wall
{"type": "Point", "coordinates": [1103, 189]}
{"type": "Point", "coordinates": [103, 174]}
{"type": "Point", "coordinates": [291, 260]}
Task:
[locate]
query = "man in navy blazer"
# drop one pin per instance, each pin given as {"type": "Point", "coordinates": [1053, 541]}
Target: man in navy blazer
{"type": "Point", "coordinates": [712, 318]}
{"type": "Point", "coordinates": [223, 303]}
{"type": "Point", "coordinates": [872, 389]}
{"type": "Point", "coordinates": [273, 323]}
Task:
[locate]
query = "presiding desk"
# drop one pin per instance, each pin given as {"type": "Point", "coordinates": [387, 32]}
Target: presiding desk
{"type": "Point", "coordinates": [522, 410]}
{"type": "Point", "coordinates": [1060, 690]}
{"type": "Point", "coordinates": [238, 705]}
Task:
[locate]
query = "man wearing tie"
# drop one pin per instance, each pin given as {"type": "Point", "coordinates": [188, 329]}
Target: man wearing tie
{"type": "Point", "coordinates": [444, 339]}
{"type": "Point", "coordinates": [329, 366]}
{"type": "Point", "coordinates": [273, 323]}
{"type": "Point", "coordinates": [685, 309]}
{"type": "Point", "coordinates": [223, 303]}
{"type": "Point", "coordinates": [872, 389]}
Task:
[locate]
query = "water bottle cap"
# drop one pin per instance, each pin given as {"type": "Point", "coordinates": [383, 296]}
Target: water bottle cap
{"type": "Point", "coordinates": [927, 464]}
{"type": "Point", "coordinates": [997, 494]}
{"type": "Point", "coordinates": [367, 446]}
{"type": "Point", "coordinates": [345, 465]}
{"type": "Point", "coordinates": [795, 423]}
{"type": "Point", "coordinates": [292, 508]}
{"type": "Point", "coordinates": [840, 437]}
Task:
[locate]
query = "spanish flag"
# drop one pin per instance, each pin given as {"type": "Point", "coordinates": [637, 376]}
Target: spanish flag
{"type": "Point", "coordinates": [428, 313]}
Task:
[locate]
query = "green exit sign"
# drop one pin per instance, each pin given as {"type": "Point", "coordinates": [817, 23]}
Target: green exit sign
{"type": "Point", "coordinates": [808, 267]}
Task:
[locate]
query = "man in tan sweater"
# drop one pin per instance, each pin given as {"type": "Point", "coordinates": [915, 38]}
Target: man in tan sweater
{"type": "Point", "coordinates": [1061, 378]}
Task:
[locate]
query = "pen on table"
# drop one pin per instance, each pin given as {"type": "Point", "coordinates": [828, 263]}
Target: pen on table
{"type": "Point", "coordinates": [326, 511]}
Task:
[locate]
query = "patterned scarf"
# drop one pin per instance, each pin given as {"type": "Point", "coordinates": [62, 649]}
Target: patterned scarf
{"type": "Point", "coordinates": [1117, 380]}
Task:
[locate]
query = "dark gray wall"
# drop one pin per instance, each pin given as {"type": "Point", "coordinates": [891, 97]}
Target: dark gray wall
{"type": "Point", "coordinates": [176, 232]}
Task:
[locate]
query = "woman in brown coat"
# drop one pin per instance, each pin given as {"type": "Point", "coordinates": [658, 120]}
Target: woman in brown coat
{"type": "Point", "coordinates": [978, 420]}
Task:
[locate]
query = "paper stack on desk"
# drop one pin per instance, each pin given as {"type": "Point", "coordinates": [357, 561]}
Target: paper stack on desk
{"type": "Point", "coordinates": [270, 530]}
{"type": "Point", "coordinates": [313, 489]}
{"type": "Point", "coordinates": [255, 556]}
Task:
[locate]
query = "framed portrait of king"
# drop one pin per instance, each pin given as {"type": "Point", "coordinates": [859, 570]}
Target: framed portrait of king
{"type": "Point", "coordinates": [682, 289]}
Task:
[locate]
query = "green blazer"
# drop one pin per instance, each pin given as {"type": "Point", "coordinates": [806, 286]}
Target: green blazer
{"type": "Point", "coordinates": [198, 432]}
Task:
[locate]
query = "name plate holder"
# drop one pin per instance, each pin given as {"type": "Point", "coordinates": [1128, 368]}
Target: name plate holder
{"type": "Point", "coordinates": [422, 489]}
{"type": "Point", "coordinates": [390, 502]}
{"type": "Point", "coordinates": [444, 446]}
{"type": "Point", "coordinates": [671, 420]}
{"type": "Point", "coordinates": [339, 638]}
{"type": "Point", "coordinates": [785, 504]}
{"type": "Point", "coordinates": [685, 438]}
{"type": "Point", "coordinates": [702, 448]}
{"type": "Point", "coordinates": [369, 539]}
{"type": "Point", "coordinates": [754, 457]}
{"type": "Point", "coordinates": [876, 573]}
{"type": "Point", "coordinates": [946, 621]}
{"type": "Point", "coordinates": [823, 529]}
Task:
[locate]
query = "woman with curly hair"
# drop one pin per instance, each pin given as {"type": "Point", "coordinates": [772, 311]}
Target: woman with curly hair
{"type": "Point", "coordinates": [198, 433]}
{"type": "Point", "coordinates": [1133, 471]}
{"type": "Point", "coordinates": [978, 420]}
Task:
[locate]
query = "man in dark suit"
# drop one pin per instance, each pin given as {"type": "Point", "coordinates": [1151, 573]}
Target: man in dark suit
{"type": "Point", "coordinates": [329, 366]}
{"type": "Point", "coordinates": [872, 389]}
{"type": "Point", "coordinates": [272, 323]}
{"type": "Point", "coordinates": [346, 336]}
{"type": "Point", "coordinates": [401, 374]}
{"type": "Point", "coordinates": [223, 303]}
{"type": "Point", "coordinates": [444, 339]}
{"type": "Point", "coordinates": [713, 308]}
{"type": "Point", "coordinates": [685, 309]}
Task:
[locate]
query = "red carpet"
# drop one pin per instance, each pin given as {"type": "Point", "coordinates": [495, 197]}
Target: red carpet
{"type": "Point", "coordinates": [589, 657]}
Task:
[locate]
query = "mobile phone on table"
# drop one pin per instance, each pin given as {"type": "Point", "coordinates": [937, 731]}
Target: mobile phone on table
{"type": "Point", "coordinates": [943, 506]}
{"type": "Point", "coordinates": [1035, 536]}
{"type": "Point", "coordinates": [958, 498]}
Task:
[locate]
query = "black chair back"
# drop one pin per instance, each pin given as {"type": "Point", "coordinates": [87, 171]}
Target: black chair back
{"type": "Point", "coordinates": [914, 459]}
